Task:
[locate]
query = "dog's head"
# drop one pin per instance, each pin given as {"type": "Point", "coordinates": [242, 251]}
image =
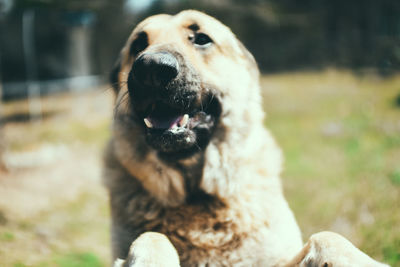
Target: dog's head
{"type": "Point", "coordinates": [180, 80]}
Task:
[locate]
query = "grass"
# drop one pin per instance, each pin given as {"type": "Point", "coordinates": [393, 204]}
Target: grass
{"type": "Point", "coordinates": [70, 234]}
{"type": "Point", "coordinates": [340, 134]}
{"type": "Point", "coordinates": [78, 260]}
{"type": "Point", "coordinates": [395, 177]}
{"type": "Point", "coordinates": [7, 237]}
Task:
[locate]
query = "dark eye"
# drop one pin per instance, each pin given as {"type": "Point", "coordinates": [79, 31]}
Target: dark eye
{"type": "Point", "coordinates": [202, 39]}
{"type": "Point", "coordinates": [139, 44]}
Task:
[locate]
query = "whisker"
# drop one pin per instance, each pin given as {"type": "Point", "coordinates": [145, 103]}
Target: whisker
{"type": "Point", "coordinates": [197, 145]}
{"type": "Point", "coordinates": [124, 97]}
{"type": "Point", "coordinates": [212, 98]}
{"type": "Point", "coordinates": [207, 87]}
{"type": "Point", "coordinates": [201, 102]}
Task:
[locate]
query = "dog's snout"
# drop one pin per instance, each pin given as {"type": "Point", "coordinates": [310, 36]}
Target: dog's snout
{"type": "Point", "coordinates": [155, 69]}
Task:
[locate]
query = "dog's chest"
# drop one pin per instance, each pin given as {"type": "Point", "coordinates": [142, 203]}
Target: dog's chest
{"type": "Point", "coordinates": [209, 234]}
{"type": "Point", "coordinates": [199, 225]}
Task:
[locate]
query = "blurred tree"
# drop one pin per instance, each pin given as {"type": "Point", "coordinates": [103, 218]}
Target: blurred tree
{"type": "Point", "coordinates": [282, 34]}
{"type": "Point", "coordinates": [4, 7]}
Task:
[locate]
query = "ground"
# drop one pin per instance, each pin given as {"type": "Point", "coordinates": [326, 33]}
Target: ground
{"type": "Point", "coordinates": [340, 133]}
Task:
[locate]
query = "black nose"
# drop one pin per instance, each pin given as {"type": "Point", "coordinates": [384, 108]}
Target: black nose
{"type": "Point", "coordinates": [155, 69]}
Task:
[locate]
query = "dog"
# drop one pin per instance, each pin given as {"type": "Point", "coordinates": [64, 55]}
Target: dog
{"type": "Point", "coordinates": [192, 174]}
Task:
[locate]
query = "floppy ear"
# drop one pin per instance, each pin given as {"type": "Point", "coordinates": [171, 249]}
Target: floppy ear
{"type": "Point", "coordinates": [114, 75]}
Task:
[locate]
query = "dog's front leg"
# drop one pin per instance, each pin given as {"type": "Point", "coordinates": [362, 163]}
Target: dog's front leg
{"type": "Point", "coordinates": [327, 249]}
{"type": "Point", "coordinates": [150, 250]}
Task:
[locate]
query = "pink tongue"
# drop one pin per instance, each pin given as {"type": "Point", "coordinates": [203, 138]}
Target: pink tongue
{"type": "Point", "coordinates": [164, 122]}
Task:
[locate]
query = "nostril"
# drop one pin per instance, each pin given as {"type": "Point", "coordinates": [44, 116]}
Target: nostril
{"type": "Point", "coordinates": [155, 69]}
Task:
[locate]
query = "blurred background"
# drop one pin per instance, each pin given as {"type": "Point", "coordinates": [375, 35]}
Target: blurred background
{"type": "Point", "coordinates": [331, 88]}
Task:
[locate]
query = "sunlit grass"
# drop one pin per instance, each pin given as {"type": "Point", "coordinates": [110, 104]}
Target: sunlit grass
{"type": "Point", "coordinates": [70, 234]}
{"type": "Point", "coordinates": [78, 260]}
{"type": "Point", "coordinates": [340, 134]}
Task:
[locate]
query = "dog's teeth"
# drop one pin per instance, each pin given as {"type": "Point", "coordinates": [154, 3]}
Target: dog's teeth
{"type": "Point", "coordinates": [184, 120]}
{"type": "Point", "coordinates": [148, 123]}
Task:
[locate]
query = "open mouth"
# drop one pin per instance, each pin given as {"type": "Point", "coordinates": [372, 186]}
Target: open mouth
{"type": "Point", "coordinates": [169, 129]}
{"type": "Point", "coordinates": [162, 117]}
{"type": "Point", "coordinates": [165, 118]}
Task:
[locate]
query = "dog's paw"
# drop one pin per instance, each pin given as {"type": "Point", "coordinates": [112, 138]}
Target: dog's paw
{"type": "Point", "coordinates": [327, 249]}
{"type": "Point", "coordinates": [150, 250]}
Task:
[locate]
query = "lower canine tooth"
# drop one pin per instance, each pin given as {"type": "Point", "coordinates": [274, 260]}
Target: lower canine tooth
{"type": "Point", "coordinates": [148, 123]}
{"type": "Point", "coordinates": [184, 120]}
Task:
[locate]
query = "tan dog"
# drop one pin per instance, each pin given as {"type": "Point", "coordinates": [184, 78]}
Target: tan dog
{"type": "Point", "coordinates": [189, 157]}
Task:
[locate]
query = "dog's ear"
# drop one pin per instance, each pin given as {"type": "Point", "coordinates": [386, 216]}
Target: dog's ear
{"type": "Point", "coordinates": [114, 75]}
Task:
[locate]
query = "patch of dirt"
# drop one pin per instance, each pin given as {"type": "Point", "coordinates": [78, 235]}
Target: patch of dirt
{"type": "Point", "coordinates": [38, 179]}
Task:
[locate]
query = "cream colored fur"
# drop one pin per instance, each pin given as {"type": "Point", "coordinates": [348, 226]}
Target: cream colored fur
{"type": "Point", "coordinates": [249, 223]}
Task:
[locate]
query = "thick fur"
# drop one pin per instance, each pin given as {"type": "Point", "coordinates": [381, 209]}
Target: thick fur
{"type": "Point", "coordinates": [221, 205]}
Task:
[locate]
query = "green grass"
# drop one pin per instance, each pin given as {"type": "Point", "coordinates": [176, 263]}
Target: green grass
{"type": "Point", "coordinates": [72, 259]}
{"type": "Point", "coordinates": [340, 134]}
{"type": "Point", "coordinates": [75, 234]}
{"type": "Point", "coordinates": [395, 177]}
{"type": "Point", "coordinates": [6, 237]}
{"type": "Point", "coordinates": [78, 260]}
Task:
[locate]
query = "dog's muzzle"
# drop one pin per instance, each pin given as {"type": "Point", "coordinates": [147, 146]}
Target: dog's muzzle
{"type": "Point", "coordinates": [171, 103]}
